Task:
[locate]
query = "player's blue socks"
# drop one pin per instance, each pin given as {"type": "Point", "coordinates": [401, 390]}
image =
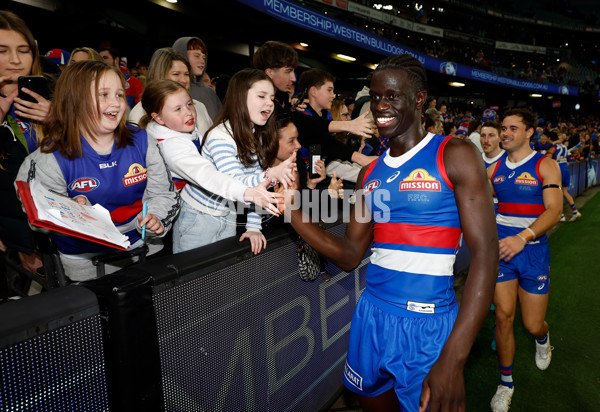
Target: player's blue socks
{"type": "Point", "coordinates": [574, 208]}
{"type": "Point", "coordinates": [542, 341]}
{"type": "Point", "coordinates": [506, 376]}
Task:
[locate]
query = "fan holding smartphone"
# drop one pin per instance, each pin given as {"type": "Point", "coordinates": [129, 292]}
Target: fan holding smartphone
{"type": "Point", "coordinates": [19, 57]}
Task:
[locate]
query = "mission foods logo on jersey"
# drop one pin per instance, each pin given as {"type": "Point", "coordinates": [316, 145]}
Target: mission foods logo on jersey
{"type": "Point", "coordinates": [84, 184]}
{"type": "Point", "coordinates": [136, 174]}
{"type": "Point", "coordinates": [419, 179]}
{"type": "Point", "coordinates": [526, 179]}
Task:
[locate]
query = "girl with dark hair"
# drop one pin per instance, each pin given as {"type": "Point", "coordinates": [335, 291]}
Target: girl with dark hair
{"type": "Point", "coordinates": [170, 118]}
{"type": "Point", "coordinates": [90, 154]}
{"type": "Point", "coordinates": [238, 145]}
{"type": "Point", "coordinates": [20, 130]}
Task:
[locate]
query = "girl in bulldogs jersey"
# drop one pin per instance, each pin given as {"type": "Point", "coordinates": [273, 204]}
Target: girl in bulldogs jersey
{"type": "Point", "coordinates": [90, 154]}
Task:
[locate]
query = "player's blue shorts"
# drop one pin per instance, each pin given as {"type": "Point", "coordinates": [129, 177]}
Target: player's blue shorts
{"type": "Point", "coordinates": [531, 267]}
{"type": "Point", "coordinates": [387, 351]}
{"type": "Point", "coordinates": [565, 175]}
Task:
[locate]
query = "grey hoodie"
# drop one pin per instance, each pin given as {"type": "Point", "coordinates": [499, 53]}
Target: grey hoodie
{"type": "Point", "coordinates": [198, 89]}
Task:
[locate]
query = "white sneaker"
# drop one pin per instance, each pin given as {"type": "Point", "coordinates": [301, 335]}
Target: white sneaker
{"type": "Point", "coordinates": [501, 400]}
{"type": "Point", "coordinates": [563, 218]}
{"type": "Point", "coordinates": [576, 216]}
{"type": "Point", "coordinates": [543, 354]}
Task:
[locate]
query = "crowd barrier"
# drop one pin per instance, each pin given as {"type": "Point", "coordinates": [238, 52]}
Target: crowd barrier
{"type": "Point", "coordinates": [51, 353]}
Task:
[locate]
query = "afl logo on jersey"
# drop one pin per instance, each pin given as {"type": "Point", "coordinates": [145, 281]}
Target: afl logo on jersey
{"type": "Point", "coordinates": [542, 278]}
{"type": "Point", "coordinates": [136, 174]}
{"type": "Point", "coordinates": [419, 179]}
{"type": "Point", "coordinates": [526, 179]}
{"type": "Point", "coordinates": [372, 185]}
{"type": "Point", "coordinates": [84, 184]}
{"type": "Point", "coordinates": [499, 179]}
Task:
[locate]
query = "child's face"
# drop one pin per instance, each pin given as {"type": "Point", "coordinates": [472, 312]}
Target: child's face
{"type": "Point", "coordinates": [323, 96]}
{"type": "Point", "coordinates": [288, 142]}
{"type": "Point", "coordinates": [179, 73]}
{"type": "Point", "coordinates": [260, 102]}
{"type": "Point", "coordinates": [111, 100]}
{"type": "Point", "coordinates": [178, 113]}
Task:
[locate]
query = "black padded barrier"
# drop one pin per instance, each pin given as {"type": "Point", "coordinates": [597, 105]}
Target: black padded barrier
{"type": "Point", "coordinates": [232, 331]}
{"type": "Point", "coordinates": [51, 353]}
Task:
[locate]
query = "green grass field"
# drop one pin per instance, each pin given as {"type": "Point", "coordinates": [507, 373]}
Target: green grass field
{"type": "Point", "coordinates": [572, 382]}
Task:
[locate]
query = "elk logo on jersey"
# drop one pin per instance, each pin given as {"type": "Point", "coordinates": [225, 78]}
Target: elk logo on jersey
{"type": "Point", "coordinates": [136, 174]}
{"type": "Point", "coordinates": [372, 185]}
{"type": "Point", "coordinates": [419, 179]}
{"type": "Point", "coordinates": [526, 179]}
{"type": "Point", "coordinates": [84, 184]}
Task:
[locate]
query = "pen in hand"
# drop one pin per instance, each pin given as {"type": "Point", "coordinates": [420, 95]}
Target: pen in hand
{"type": "Point", "coordinates": [144, 212]}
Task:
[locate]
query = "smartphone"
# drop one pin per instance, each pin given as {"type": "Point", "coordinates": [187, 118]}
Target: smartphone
{"type": "Point", "coordinates": [37, 84]}
{"type": "Point", "coordinates": [314, 153]}
{"type": "Point", "coordinates": [300, 98]}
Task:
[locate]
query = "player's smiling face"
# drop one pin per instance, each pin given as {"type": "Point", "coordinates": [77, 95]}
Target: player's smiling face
{"type": "Point", "coordinates": [514, 133]}
{"type": "Point", "coordinates": [392, 102]}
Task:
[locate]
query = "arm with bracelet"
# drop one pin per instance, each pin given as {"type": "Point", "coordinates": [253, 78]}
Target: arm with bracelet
{"type": "Point", "coordinates": [553, 204]}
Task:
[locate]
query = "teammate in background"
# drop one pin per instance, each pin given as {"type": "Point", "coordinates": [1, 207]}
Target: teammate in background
{"type": "Point", "coordinates": [408, 341]}
{"type": "Point", "coordinates": [490, 142]}
{"type": "Point", "coordinates": [527, 184]}
{"type": "Point", "coordinates": [559, 152]}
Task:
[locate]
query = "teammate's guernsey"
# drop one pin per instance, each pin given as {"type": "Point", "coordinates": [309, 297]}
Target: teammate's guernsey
{"type": "Point", "coordinates": [416, 229]}
{"type": "Point", "coordinates": [519, 190]}
{"type": "Point", "coordinates": [116, 181]}
{"type": "Point", "coordinates": [491, 160]}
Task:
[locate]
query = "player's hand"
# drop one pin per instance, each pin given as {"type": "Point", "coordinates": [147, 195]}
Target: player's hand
{"type": "Point", "coordinates": [510, 247]}
{"type": "Point", "coordinates": [443, 388]}
{"type": "Point", "coordinates": [152, 223]}
{"type": "Point", "coordinates": [35, 111]}
{"type": "Point", "coordinates": [258, 241]}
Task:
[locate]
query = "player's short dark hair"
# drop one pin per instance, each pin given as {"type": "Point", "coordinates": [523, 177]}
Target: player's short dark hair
{"type": "Point", "coordinates": [411, 66]}
{"type": "Point", "coordinates": [494, 124]}
{"type": "Point", "coordinates": [526, 115]}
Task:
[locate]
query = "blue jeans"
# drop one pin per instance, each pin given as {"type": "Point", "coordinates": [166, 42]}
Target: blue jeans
{"type": "Point", "coordinates": [194, 228]}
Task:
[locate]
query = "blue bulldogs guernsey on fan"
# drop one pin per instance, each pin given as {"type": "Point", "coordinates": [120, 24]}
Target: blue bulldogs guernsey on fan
{"type": "Point", "coordinates": [416, 231]}
{"type": "Point", "coordinates": [519, 190]}
{"type": "Point", "coordinates": [116, 181]}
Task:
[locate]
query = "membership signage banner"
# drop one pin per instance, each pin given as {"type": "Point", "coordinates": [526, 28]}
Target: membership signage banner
{"type": "Point", "coordinates": [317, 22]}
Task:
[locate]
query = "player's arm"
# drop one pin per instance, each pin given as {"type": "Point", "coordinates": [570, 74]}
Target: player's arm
{"type": "Point", "coordinates": [346, 252]}
{"type": "Point", "coordinates": [553, 203]}
{"type": "Point", "coordinates": [443, 388]}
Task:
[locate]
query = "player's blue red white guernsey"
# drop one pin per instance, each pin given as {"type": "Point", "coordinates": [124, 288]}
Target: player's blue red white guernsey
{"type": "Point", "coordinates": [561, 153]}
{"type": "Point", "coordinates": [117, 181]}
{"type": "Point", "coordinates": [416, 229]}
{"type": "Point", "coordinates": [519, 190]}
{"type": "Point", "coordinates": [490, 161]}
